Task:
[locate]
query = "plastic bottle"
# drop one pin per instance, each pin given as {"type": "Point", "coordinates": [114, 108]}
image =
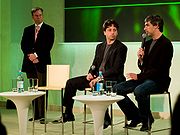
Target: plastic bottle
{"type": "Point", "coordinates": [100, 83]}
{"type": "Point", "coordinates": [20, 82]}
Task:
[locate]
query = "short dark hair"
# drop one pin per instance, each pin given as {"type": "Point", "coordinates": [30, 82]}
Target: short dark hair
{"type": "Point", "coordinates": [109, 22]}
{"type": "Point", "coordinates": [36, 9]}
{"type": "Point", "coordinates": [155, 20]}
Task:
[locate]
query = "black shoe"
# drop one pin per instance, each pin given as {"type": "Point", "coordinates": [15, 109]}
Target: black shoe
{"type": "Point", "coordinates": [31, 119]}
{"type": "Point", "coordinates": [107, 120]}
{"type": "Point", "coordinates": [134, 123]}
{"type": "Point", "coordinates": [106, 123]}
{"type": "Point", "coordinates": [42, 121]}
{"type": "Point", "coordinates": [145, 126]}
{"type": "Point", "coordinates": [66, 117]}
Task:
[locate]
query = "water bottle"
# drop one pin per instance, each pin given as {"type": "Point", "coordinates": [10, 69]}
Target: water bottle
{"type": "Point", "coordinates": [100, 83]}
{"type": "Point", "coordinates": [20, 82]}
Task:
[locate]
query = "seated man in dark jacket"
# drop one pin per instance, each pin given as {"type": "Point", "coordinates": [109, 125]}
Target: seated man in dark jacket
{"type": "Point", "coordinates": [154, 61]}
{"type": "Point", "coordinates": [110, 57]}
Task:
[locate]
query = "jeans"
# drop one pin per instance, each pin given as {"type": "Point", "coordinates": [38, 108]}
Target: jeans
{"type": "Point", "coordinates": [142, 91]}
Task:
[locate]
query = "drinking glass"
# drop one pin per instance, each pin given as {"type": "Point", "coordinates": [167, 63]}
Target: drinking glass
{"type": "Point", "coordinates": [33, 85]}
{"type": "Point", "coordinates": [113, 91]}
{"type": "Point", "coordinates": [109, 88]}
{"type": "Point", "coordinates": [14, 85]}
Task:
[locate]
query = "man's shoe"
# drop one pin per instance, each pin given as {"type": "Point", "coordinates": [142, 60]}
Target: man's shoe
{"type": "Point", "coordinates": [42, 121]}
{"type": "Point", "coordinates": [145, 125]}
{"type": "Point", "coordinates": [31, 119]}
{"type": "Point", "coordinates": [134, 123]}
{"type": "Point", "coordinates": [66, 117]}
{"type": "Point", "coordinates": [107, 120]}
{"type": "Point", "coordinates": [106, 123]}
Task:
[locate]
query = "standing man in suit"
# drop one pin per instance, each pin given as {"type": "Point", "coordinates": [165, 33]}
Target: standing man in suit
{"type": "Point", "coordinates": [154, 61]}
{"type": "Point", "coordinates": [110, 57]}
{"type": "Point", "coordinates": [36, 44]}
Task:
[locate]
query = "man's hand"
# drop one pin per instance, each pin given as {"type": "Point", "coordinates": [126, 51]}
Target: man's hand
{"type": "Point", "coordinates": [93, 82]}
{"type": "Point", "coordinates": [140, 54]}
{"type": "Point", "coordinates": [35, 61]}
{"type": "Point", "coordinates": [131, 76]}
{"type": "Point", "coordinates": [32, 57]}
{"type": "Point", "coordinates": [89, 77]}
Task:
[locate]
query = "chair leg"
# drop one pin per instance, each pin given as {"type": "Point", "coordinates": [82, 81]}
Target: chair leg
{"type": "Point", "coordinates": [170, 106]}
{"type": "Point", "coordinates": [149, 115]}
{"type": "Point", "coordinates": [62, 111]}
{"type": "Point", "coordinates": [84, 115]}
{"type": "Point", "coordinates": [111, 111]}
{"type": "Point", "coordinates": [149, 128]}
{"type": "Point", "coordinates": [149, 132]}
{"type": "Point", "coordinates": [125, 123]}
{"type": "Point", "coordinates": [45, 113]}
{"type": "Point", "coordinates": [84, 119]}
{"type": "Point", "coordinates": [33, 112]}
{"type": "Point", "coordinates": [72, 127]}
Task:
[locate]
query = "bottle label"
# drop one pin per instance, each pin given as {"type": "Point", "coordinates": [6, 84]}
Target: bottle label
{"type": "Point", "coordinates": [20, 84]}
{"type": "Point", "coordinates": [99, 86]}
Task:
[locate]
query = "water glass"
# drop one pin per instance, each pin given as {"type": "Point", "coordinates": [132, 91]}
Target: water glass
{"type": "Point", "coordinates": [101, 92]}
{"type": "Point", "coordinates": [94, 92]}
{"type": "Point", "coordinates": [33, 85]}
{"type": "Point", "coordinates": [109, 88]}
{"type": "Point", "coordinates": [113, 91]}
{"type": "Point", "coordinates": [14, 85]}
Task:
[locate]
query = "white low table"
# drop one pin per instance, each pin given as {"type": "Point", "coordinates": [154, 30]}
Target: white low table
{"type": "Point", "coordinates": [22, 102]}
{"type": "Point", "coordinates": [98, 106]}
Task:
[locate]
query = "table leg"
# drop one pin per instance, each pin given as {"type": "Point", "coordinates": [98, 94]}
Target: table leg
{"type": "Point", "coordinates": [98, 112]}
{"type": "Point", "coordinates": [22, 110]}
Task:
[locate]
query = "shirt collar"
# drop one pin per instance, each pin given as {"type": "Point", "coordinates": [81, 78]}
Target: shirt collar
{"type": "Point", "coordinates": [39, 25]}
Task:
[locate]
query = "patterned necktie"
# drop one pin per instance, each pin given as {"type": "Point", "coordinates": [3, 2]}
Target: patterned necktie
{"type": "Point", "coordinates": [36, 31]}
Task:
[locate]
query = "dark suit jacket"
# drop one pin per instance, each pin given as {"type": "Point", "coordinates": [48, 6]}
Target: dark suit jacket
{"type": "Point", "coordinates": [156, 64]}
{"type": "Point", "coordinates": [42, 47]}
{"type": "Point", "coordinates": [116, 57]}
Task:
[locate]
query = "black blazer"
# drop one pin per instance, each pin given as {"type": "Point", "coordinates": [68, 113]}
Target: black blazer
{"type": "Point", "coordinates": [116, 57]}
{"type": "Point", "coordinates": [156, 64]}
{"type": "Point", "coordinates": [42, 47]}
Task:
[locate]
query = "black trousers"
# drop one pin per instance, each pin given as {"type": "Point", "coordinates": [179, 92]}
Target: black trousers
{"type": "Point", "coordinates": [72, 85]}
{"type": "Point", "coordinates": [39, 103]}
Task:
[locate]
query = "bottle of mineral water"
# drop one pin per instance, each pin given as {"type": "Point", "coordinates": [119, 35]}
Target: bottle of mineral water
{"type": "Point", "coordinates": [20, 82]}
{"type": "Point", "coordinates": [100, 82]}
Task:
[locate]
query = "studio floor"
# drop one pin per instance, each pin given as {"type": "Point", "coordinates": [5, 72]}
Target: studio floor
{"type": "Point", "coordinates": [10, 120]}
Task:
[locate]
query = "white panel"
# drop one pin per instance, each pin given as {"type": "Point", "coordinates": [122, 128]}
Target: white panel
{"type": "Point", "coordinates": [57, 75]}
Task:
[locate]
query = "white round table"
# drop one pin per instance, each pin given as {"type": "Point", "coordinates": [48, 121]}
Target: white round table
{"type": "Point", "coordinates": [98, 106]}
{"type": "Point", "coordinates": [22, 102]}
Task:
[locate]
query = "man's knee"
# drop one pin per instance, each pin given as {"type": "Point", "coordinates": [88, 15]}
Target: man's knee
{"type": "Point", "coordinates": [137, 92]}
